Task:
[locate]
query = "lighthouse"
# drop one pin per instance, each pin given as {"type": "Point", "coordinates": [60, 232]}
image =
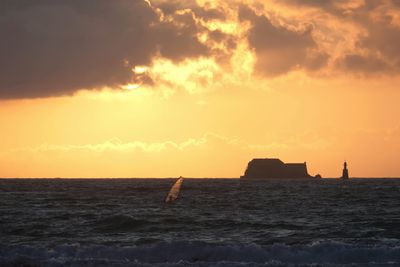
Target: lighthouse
{"type": "Point", "coordinates": [345, 174]}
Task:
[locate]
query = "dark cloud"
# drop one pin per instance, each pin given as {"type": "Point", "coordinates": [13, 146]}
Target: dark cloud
{"type": "Point", "coordinates": [381, 51]}
{"type": "Point", "coordinates": [316, 60]}
{"type": "Point", "coordinates": [362, 64]}
{"type": "Point", "coordinates": [188, 12]}
{"type": "Point", "coordinates": [280, 49]}
{"type": "Point", "coordinates": [381, 41]}
{"type": "Point", "coordinates": [376, 51]}
{"type": "Point", "coordinates": [336, 7]}
{"type": "Point", "coordinates": [384, 39]}
{"type": "Point", "coordinates": [51, 48]}
{"type": "Point", "coordinates": [324, 4]}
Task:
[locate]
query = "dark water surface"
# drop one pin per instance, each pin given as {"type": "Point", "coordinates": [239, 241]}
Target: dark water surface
{"type": "Point", "coordinates": [216, 222]}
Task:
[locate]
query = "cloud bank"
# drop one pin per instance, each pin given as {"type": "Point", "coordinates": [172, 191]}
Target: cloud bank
{"type": "Point", "coordinates": [376, 47]}
{"type": "Point", "coordinates": [53, 48]}
{"type": "Point", "coordinates": [280, 49]}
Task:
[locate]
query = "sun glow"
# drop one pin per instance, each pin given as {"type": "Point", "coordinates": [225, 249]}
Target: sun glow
{"type": "Point", "coordinates": [130, 87]}
{"type": "Point", "coordinates": [193, 76]}
{"type": "Point", "coordinates": [140, 69]}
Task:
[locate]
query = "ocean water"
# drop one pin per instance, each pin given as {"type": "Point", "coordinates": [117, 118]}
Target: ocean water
{"type": "Point", "coordinates": [215, 222]}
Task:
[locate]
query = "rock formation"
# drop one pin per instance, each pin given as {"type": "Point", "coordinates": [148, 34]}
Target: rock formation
{"type": "Point", "coordinates": [276, 169]}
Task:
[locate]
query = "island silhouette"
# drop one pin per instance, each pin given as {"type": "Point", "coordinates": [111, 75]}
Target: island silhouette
{"type": "Point", "coordinates": [273, 168]}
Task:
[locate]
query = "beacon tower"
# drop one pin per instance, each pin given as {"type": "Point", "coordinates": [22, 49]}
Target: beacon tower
{"type": "Point", "coordinates": [345, 174]}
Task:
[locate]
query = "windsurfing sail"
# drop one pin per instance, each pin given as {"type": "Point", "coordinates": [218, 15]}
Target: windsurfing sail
{"type": "Point", "coordinates": [174, 192]}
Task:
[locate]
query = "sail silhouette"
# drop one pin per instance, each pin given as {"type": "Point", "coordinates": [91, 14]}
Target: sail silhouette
{"type": "Point", "coordinates": [174, 192]}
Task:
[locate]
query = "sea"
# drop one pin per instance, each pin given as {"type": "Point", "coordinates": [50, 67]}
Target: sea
{"type": "Point", "coordinates": [214, 222]}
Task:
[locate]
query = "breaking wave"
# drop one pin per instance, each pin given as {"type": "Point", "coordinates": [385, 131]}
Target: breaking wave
{"type": "Point", "coordinates": [186, 253]}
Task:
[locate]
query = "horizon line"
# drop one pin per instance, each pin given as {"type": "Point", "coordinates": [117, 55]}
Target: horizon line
{"type": "Point", "coordinates": [238, 178]}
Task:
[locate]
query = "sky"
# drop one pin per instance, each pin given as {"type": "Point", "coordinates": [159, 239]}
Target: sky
{"type": "Point", "coordinates": [164, 88]}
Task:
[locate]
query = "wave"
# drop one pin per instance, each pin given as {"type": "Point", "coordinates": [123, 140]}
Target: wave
{"type": "Point", "coordinates": [121, 223]}
{"type": "Point", "coordinates": [184, 253]}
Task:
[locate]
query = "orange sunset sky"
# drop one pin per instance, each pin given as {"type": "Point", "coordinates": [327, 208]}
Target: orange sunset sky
{"type": "Point", "coordinates": [135, 88]}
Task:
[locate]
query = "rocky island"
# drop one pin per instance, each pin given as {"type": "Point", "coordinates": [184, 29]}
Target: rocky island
{"type": "Point", "coordinates": [276, 169]}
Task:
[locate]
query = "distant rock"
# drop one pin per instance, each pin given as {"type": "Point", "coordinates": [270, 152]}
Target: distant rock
{"type": "Point", "coordinates": [276, 169]}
